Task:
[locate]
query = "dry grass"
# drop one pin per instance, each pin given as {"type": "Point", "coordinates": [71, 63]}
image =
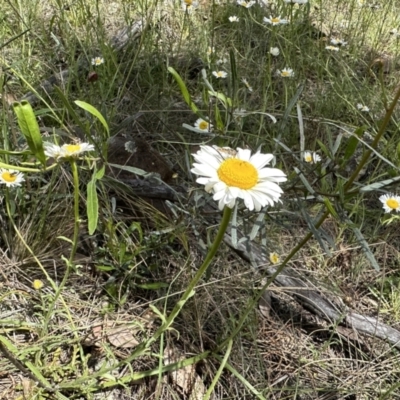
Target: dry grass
{"type": "Point", "coordinates": [131, 272]}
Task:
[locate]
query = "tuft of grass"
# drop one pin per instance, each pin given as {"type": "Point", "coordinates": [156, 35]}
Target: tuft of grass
{"type": "Point", "coordinates": [57, 339]}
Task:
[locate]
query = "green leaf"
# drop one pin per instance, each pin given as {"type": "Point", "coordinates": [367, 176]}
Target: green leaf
{"type": "Point", "coordinates": [92, 110]}
{"type": "Point", "coordinates": [153, 286]}
{"type": "Point", "coordinates": [220, 96]}
{"type": "Point", "coordinates": [100, 173]}
{"type": "Point", "coordinates": [134, 170]}
{"type": "Point", "coordinates": [330, 208]}
{"type": "Point", "coordinates": [184, 90]}
{"type": "Point", "coordinates": [30, 129]}
{"type": "Point", "coordinates": [92, 205]}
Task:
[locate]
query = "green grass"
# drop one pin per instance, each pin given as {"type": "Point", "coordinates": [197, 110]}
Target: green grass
{"type": "Point", "coordinates": [132, 270]}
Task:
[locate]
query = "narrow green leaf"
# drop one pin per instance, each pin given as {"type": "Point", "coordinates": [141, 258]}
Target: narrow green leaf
{"type": "Point", "coordinates": [153, 286]}
{"type": "Point", "coordinates": [134, 170]}
{"type": "Point", "coordinates": [92, 205]}
{"type": "Point", "coordinates": [350, 149]}
{"type": "Point", "coordinates": [225, 100]}
{"type": "Point", "coordinates": [365, 246]}
{"type": "Point", "coordinates": [30, 129]}
{"type": "Point", "coordinates": [184, 90]}
{"type": "Point", "coordinates": [100, 173]}
{"type": "Point", "coordinates": [330, 208]}
{"type": "Point", "coordinates": [92, 110]}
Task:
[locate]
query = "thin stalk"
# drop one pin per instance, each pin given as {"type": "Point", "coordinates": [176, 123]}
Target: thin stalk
{"type": "Point", "coordinates": [75, 176]}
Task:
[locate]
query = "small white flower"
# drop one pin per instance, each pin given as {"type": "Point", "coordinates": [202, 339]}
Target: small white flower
{"type": "Point", "coordinates": [275, 20]}
{"type": "Point", "coordinates": [391, 202]}
{"type": "Point", "coordinates": [246, 4]}
{"type": "Point", "coordinates": [66, 150]}
{"type": "Point", "coordinates": [247, 84]}
{"type": "Point", "coordinates": [220, 74]}
{"type": "Point", "coordinates": [203, 125]}
{"type": "Point", "coordinates": [274, 51]}
{"type": "Point", "coordinates": [221, 61]}
{"type": "Point", "coordinates": [189, 5]}
{"type": "Point", "coordinates": [73, 150]}
{"type": "Point", "coordinates": [11, 177]}
{"type": "Point", "coordinates": [338, 42]}
{"type": "Point", "coordinates": [286, 73]}
{"type": "Point", "coordinates": [233, 18]}
{"type": "Point", "coordinates": [239, 112]}
{"type": "Point", "coordinates": [332, 48]}
{"type": "Point", "coordinates": [96, 61]}
{"type": "Point", "coordinates": [233, 175]}
{"type": "Point", "coordinates": [210, 50]}
{"type": "Point", "coordinates": [362, 107]}
{"type": "Point", "coordinates": [395, 33]}
{"type": "Point", "coordinates": [311, 158]}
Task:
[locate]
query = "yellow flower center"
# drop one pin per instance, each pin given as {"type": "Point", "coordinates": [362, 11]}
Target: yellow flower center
{"type": "Point", "coordinates": [188, 2]}
{"type": "Point", "coordinates": [275, 20]}
{"type": "Point", "coordinates": [308, 158]}
{"type": "Point", "coordinates": [238, 173]}
{"type": "Point", "coordinates": [285, 73]}
{"type": "Point", "coordinates": [203, 125]}
{"type": "Point", "coordinates": [274, 258]}
{"type": "Point", "coordinates": [9, 176]}
{"type": "Point", "coordinates": [393, 204]}
{"type": "Point", "coordinates": [73, 148]}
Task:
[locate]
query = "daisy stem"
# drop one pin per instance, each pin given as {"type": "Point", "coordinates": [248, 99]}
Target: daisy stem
{"type": "Point", "coordinates": [189, 292]}
{"type": "Point", "coordinates": [75, 175]}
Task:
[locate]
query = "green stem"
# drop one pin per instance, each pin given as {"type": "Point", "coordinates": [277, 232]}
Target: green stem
{"type": "Point", "coordinates": [75, 175]}
{"type": "Point", "coordinates": [189, 290]}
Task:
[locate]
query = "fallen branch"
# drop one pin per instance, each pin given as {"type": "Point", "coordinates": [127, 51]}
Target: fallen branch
{"type": "Point", "coordinates": [332, 310]}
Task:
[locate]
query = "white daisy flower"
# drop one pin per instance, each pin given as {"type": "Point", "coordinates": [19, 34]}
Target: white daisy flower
{"type": "Point", "coordinates": [362, 107]}
{"type": "Point", "coordinates": [75, 149]}
{"type": "Point", "coordinates": [11, 177]}
{"type": "Point", "coordinates": [338, 42]}
{"type": "Point", "coordinates": [52, 150]}
{"type": "Point", "coordinates": [332, 48]}
{"type": "Point", "coordinates": [96, 61]}
{"type": "Point", "coordinates": [286, 73]}
{"type": "Point", "coordinates": [395, 32]}
{"type": "Point", "coordinates": [189, 5]}
{"type": "Point", "coordinates": [221, 61]}
{"type": "Point", "coordinates": [232, 175]}
{"type": "Point", "coordinates": [274, 258]}
{"type": "Point", "coordinates": [391, 202]}
{"type": "Point", "coordinates": [233, 18]}
{"type": "Point", "coordinates": [239, 112]}
{"type": "Point", "coordinates": [246, 4]}
{"type": "Point", "coordinates": [275, 20]}
{"type": "Point", "coordinates": [274, 51]}
{"type": "Point", "coordinates": [311, 158]}
{"type": "Point", "coordinates": [203, 125]}
{"type": "Point", "coordinates": [220, 74]}
{"type": "Point", "coordinates": [247, 84]}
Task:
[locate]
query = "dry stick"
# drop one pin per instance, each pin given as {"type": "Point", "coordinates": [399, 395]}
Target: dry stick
{"type": "Point", "coordinates": [366, 322]}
